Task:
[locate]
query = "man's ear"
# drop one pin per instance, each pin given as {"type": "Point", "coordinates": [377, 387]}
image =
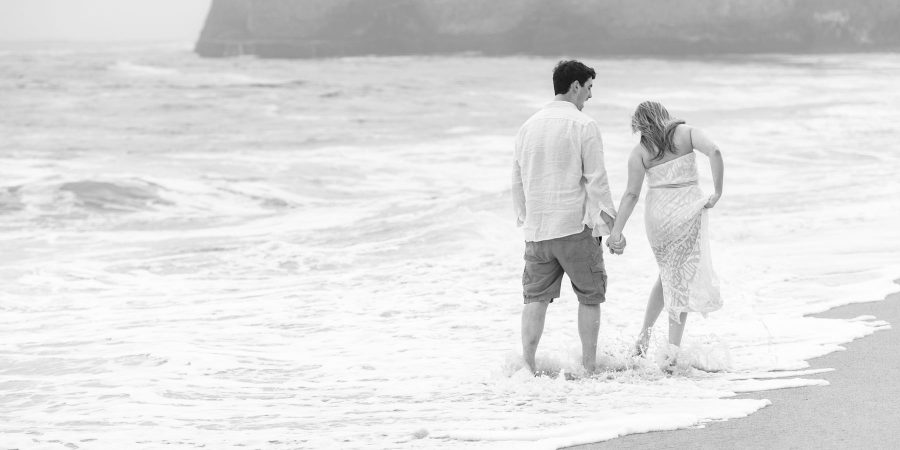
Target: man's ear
{"type": "Point", "coordinates": [574, 86]}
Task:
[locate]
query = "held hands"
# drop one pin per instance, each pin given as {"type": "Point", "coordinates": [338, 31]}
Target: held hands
{"type": "Point", "coordinates": [616, 244]}
{"type": "Point", "coordinates": [713, 199]}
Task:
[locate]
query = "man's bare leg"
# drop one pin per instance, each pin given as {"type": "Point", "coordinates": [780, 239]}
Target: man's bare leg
{"type": "Point", "coordinates": [654, 307]}
{"type": "Point", "coordinates": [533, 316]}
{"type": "Point", "coordinates": [588, 329]}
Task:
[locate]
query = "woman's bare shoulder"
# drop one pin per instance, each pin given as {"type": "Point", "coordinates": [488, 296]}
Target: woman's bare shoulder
{"type": "Point", "coordinates": [641, 153]}
{"type": "Point", "coordinates": [683, 138]}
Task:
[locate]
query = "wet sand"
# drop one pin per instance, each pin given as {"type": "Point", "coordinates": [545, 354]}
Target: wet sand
{"type": "Point", "coordinates": [859, 409]}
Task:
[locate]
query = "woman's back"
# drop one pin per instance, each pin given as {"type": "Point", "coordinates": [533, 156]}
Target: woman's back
{"type": "Point", "coordinates": [675, 168]}
{"type": "Point", "coordinates": [683, 146]}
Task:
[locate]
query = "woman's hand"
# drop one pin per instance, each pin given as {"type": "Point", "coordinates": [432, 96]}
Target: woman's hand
{"type": "Point", "coordinates": [713, 199]}
{"type": "Point", "coordinates": [616, 243]}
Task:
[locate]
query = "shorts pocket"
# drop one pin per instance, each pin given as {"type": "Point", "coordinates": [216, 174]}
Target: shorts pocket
{"type": "Point", "coordinates": [597, 264]}
{"type": "Point", "coordinates": [598, 272]}
{"type": "Point", "coordinates": [531, 254]}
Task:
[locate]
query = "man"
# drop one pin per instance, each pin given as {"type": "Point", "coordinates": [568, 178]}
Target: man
{"type": "Point", "coordinates": [562, 200]}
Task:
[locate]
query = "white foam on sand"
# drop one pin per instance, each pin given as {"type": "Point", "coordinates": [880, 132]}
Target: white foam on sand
{"type": "Point", "coordinates": [665, 417]}
{"type": "Point", "coordinates": [353, 280]}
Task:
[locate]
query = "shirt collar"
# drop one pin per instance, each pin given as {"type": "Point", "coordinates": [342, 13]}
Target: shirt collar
{"type": "Point", "coordinates": [560, 104]}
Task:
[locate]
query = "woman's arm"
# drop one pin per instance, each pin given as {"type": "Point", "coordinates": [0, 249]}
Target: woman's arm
{"type": "Point", "coordinates": [702, 143]}
{"type": "Point", "coordinates": [631, 195]}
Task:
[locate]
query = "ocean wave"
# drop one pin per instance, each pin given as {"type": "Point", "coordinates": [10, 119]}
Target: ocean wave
{"type": "Point", "coordinates": [249, 83]}
{"type": "Point", "coordinates": [10, 200]}
{"type": "Point", "coordinates": [275, 84]}
{"type": "Point", "coordinates": [131, 68]}
{"type": "Point", "coordinates": [114, 196]}
{"type": "Point", "coordinates": [160, 199]}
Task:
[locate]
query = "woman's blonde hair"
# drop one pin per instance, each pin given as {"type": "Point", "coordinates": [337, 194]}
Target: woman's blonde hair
{"type": "Point", "coordinates": [657, 129]}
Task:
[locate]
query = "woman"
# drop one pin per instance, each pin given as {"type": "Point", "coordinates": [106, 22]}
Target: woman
{"type": "Point", "coordinates": [676, 218]}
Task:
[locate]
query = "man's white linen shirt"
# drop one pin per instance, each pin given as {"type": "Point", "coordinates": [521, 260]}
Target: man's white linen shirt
{"type": "Point", "coordinates": [559, 181]}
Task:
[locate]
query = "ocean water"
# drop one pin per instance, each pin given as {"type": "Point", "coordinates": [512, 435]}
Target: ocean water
{"type": "Point", "coordinates": [246, 253]}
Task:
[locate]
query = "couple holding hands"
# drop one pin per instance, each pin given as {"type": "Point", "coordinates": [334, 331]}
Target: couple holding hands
{"type": "Point", "coordinates": [563, 203]}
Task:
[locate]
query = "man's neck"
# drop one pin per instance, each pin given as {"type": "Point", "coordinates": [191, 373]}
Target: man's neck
{"type": "Point", "coordinates": [564, 98]}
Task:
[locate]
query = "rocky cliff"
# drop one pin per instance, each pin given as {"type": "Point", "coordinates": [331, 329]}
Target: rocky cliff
{"type": "Point", "coordinates": [316, 28]}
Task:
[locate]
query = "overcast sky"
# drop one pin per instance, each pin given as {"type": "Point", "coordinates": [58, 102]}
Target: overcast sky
{"type": "Point", "coordinates": [102, 20]}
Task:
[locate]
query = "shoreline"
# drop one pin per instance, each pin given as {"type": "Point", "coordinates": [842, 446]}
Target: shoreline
{"type": "Point", "coordinates": [850, 412]}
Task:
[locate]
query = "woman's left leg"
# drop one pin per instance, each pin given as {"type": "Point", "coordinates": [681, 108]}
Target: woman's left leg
{"type": "Point", "coordinates": [676, 329]}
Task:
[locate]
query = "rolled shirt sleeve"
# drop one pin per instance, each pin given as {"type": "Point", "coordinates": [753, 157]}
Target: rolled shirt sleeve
{"type": "Point", "coordinates": [596, 182]}
{"type": "Point", "coordinates": [518, 193]}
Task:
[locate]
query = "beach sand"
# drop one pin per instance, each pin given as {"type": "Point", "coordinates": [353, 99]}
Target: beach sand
{"type": "Point", "coordinates": [859, 409]}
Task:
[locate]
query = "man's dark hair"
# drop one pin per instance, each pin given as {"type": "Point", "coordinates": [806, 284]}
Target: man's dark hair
{"type": "Point", "coordinates": [568, 71]}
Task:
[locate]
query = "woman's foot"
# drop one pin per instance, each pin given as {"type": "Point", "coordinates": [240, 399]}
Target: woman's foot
{"type": "Point", "coordinates": [670, 366]}
{"type": "Point", "coordinates": [641, 345]}
{"type": "Point", "coordinates": [639, 350]}
{"type": "Point", "coordinates": [670, 360]}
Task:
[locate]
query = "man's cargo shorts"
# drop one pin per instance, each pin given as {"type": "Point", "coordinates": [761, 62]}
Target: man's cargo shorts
{"type": "Point", "coordinates": [578, 255]}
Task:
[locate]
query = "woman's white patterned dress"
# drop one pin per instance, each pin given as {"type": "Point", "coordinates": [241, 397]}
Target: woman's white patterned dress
{"type": "Point", "coordinates": [676, 224]}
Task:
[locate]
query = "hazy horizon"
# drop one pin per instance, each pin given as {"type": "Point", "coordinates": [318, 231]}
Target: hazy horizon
{"type": "Point", "coordinates": [101, 20]}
